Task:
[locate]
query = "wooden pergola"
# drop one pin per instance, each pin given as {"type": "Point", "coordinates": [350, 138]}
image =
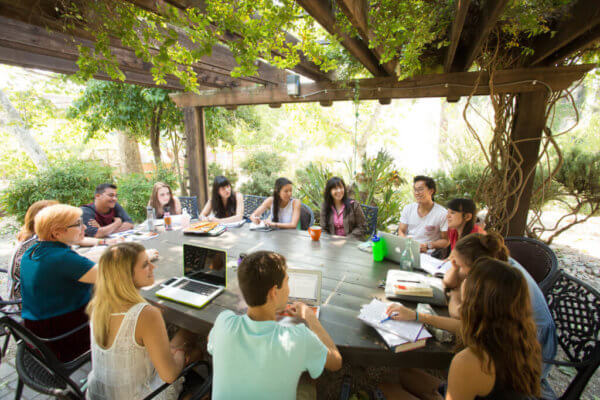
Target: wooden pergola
{"type": "Point", "coordinates": [32, 35]}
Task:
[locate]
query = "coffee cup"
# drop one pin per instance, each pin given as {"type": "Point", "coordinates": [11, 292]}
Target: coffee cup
{"type": "Point", "coordinates": [314, 232]}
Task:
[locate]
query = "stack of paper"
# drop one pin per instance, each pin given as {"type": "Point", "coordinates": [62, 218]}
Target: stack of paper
{"type": "Point", "coordinates": [434, 266]}
{"type": "Point", "coordinates": [404, 283]}
{"type": "Point", "coordinates": [398, 335]}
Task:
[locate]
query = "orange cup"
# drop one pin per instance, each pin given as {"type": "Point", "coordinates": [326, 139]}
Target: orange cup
{"type": "Point", "coordinates": [314, 232]}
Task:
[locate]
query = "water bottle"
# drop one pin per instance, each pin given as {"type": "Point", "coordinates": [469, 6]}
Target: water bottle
{"type": "Point", "coordinates": [185, 219]}
{"type": "Point", "coordinates": [378, 248]}
{"type": "Point", "coordinates": [150, 215]}
{"type": "Point", "coordinates": [406, 257]}
{"type": "Point", "coordinates": [167, 218]}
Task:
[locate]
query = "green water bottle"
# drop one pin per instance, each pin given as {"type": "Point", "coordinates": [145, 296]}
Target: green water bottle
{"type": "Point", "coordinates": [378, 248]}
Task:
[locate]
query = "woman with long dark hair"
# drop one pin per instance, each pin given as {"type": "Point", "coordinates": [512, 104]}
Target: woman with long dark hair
{"type": "Point", "coordinates": [225, 205]}
{"type": "Point", "coordinates": [461, 220]}
{"type": "Point", "coordinates": [285, 210]}
{"type": "Point", "coordinates": [339, 214]}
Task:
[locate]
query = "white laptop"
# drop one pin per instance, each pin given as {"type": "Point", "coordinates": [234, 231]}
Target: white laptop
{"type": "Point", "coordinates": [204, 277]}
{"type": "Point", "coordinates": [305, 286]}
{"type": "Point", "coordinates": [395, 245]}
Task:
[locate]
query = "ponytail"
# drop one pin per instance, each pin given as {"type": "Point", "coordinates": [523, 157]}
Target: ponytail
{"type": "Point", "coordinates": [476, 245]}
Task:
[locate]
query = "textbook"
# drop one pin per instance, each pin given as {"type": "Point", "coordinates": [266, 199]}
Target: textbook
{"type": "Point", "coordinates": [434, 266]}
{"type": "Point", "coordinates": [415, 286]}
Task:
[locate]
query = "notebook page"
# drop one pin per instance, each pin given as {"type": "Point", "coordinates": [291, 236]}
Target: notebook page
{"type": "Point", "coordinates": [374, 312]}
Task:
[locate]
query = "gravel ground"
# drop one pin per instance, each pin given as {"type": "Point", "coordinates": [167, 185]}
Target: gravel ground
{"type": "Point", "coordinates": [577, 249]}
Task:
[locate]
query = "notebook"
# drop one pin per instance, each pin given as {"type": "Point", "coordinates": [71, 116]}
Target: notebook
{"type": "Point", "coordinates": [414, 286]}
{"type": "Point", "coordinates": [434, 266]}
{"type": "Point", "coordinates": [204, 277]}
{"type": "Point", "coordinates": [305, 286]}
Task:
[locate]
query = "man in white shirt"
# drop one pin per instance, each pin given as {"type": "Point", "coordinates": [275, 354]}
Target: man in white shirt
{"type": "Point", "coordinates": [425, 220]}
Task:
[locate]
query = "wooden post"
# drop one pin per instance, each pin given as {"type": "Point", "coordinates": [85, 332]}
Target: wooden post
{"type": "Point", "coordinates": [527, 130]}
{"type": "Point", "coordinates": [196, 151]}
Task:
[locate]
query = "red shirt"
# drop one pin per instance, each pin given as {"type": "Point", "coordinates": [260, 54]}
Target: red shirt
{"type": "Point", "coordinates": [453, 235]}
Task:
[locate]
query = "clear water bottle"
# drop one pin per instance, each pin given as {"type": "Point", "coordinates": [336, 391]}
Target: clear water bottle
{"type": "Point", "coordinates": [150, 215]}
{"type": "Point", "coordinates": [185, 219]}
{"type": "Point", "coordinates": [406, 258]}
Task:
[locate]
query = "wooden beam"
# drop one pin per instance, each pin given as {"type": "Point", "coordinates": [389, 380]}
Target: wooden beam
{"type": "Point", "coordinates": [581, 43]}
{"type": "Point", "coordinates": [462, 8]}
{"type": "Point", "coordinates": [487, 19]}
{"type": "Point", "coordinates": [321, 12]}
{"type": "Point", "coordinates": [195, 135]}
{"type": "Point", "coordinates": [436, 85]}
{"type": "Point", "coordinates": [357, 12]}
{"type": "Point", "coordinates": [584, 16]}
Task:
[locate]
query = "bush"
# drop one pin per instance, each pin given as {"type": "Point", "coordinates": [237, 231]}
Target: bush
{"type": "Point", "coordinates": [461, 182]}
{"type": "Point", "coordinates": [215, 169]}
{"type": "Point", "coordinates": [70, 181]}
{"type": "Point", "coordinates": [263, 168]}
{"type": "Point", "coordinates": [311, 183]}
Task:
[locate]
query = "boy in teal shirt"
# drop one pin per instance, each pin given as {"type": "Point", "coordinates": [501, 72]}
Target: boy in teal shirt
{"type": "Point", "coordinates": [254, 357]}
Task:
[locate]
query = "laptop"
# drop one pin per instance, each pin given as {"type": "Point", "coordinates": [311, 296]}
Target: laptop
{"type": "Point", "coordinates": [395, 245]}
{"type": "Point", "coordinates": [305, 286]}
{"type": "Point", "coordinates": [204, 277]}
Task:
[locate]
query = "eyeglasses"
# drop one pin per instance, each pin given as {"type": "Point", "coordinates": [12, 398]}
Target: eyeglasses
{"type": "Point", "coordinates": [78, 224]}
{"type": "Point", "coordinates": [419, 190]}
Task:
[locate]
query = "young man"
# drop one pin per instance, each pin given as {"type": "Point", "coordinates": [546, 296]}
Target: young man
{"type": "Point", "coordinates": [105, 216]}
{"type": "Point", "coordinates": [254, 357]}
{"type": "Point", "coordinates": [425, 220]}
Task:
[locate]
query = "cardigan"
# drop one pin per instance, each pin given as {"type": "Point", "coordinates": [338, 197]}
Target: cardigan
{"type": "Point", "coordinates": [355, 223]}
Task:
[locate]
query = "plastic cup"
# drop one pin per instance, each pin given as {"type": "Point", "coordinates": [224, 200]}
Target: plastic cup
{"type": "Point", "coordinates": [314, 232]}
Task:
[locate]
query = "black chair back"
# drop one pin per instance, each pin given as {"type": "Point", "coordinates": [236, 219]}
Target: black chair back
{"type": "Point", "coordinates": [575, 307]}
{"type": "Point", "coordinates": [190, 204]}
{"type": "Point", "coordinates": [536, 257]}
{"type": "Point", "coordinates": [371, 217]}
{"type": "Point", "coordinates": [307, 217]}
{"type": "Point", "coordinates": [251, 203]}
{"type": "Point", "coordinates": [38, 367]}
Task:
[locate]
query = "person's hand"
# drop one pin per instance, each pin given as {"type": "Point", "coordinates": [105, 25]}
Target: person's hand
{"type": "Point", "coordinates": [271, 224]}
{"type": "Point", "coordinates": [202, 218]}
{"type": "Point", "coordinates": [255, 219]}
{"type": "Point", "coordinates": [211, 218]}
{"type": "Point", "coordinates": [93, 223]}
{"type": "Point", "coordinates": [401, 313]}
{"type": "Point", "coordinates": [301, 311]}
{"type": "Point", "coordinates": [117, 219]}
{"type": "Point", "coordinates": [115, 240]}
{"type": "Point", "coordinates": [423, 247]}
{"type": "Point", "coordinates": [152, 254]}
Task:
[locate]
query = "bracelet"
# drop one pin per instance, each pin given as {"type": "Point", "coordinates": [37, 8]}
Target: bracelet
{"type": "Point", "coordinates": [416, 316]}
{"type": "Point", "coordinates": [101, 242]}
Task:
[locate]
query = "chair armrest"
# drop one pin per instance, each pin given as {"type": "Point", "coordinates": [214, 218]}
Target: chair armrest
{"type": "Point", "coordinates": [9, 302]}
{"type": "Point", "coordinates": [64, 335]}
{"type": "Point", "coordinates": [2, 270]}
{"type": "Point", "coordinates": [182, 373]}
{"type": "Point", "coordinates": [569, 363]}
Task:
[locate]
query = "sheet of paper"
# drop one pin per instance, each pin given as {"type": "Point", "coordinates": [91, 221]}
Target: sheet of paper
{"type": "Point", "coordinates": [303, 286]}
{"type": "Point", "coordinates": [374, 312]}
{"type": "Point", "coordinates": [433, 265]}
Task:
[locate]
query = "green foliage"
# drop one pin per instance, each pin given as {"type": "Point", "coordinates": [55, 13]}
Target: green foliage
{"type": "Point", "coordinates": [263, 168]}
{"type": "Point", "coordinates": [134, 191]}
{"type": "Point", "coordinates": [71, 182]}
{"type": "Point", "coordinates": [311, 183]}
{"type": "Point", "coordinates": [462, 181]}
{"type": "Point", "coordinates": [580, 174]}
{"type": "Point", "coordinates": [215, 169]}
{"type": "Point", "coordinates": [222, 124]}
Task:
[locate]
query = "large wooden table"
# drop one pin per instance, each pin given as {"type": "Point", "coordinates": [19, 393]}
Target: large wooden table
{"type": "Point", "coordinates": [350, 279]}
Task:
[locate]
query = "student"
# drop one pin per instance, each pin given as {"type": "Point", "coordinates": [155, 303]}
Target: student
{"type": "Point", "coordinates": [268, 357]}
{"type": "Point", "coordinates": [502, 357]}
{"type": "Point", "coordinates": [162, 196]}
{"type": "Point", "coordinates": [49, 271]}
{"type": "Point", "coordinates": [105, 216]}
{"type": "Point", "coordinates": [225, 205]}
{"type": "Point", "coordinates": [131, 352]}
{"type": "Point", "coordinates": [461, 220]}
{"type": "Point", "coordinates": [425, 220]}
{"type": "Point", "coordinates": [285, 210]}
{"type": "Point", "coordinates": [340, 215]}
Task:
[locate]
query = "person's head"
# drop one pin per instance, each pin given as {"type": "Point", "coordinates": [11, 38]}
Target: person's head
{"type": "Point", "coordinates": [60, 223]}
{"type": "Point", "coordinates": [461, 215]}
{"type": "Point", "coordinates": [123, 269]}
{"type": "Point", "coordinates": [335, 189]}
{"type": "Point", "coordinates": [27, 230]}
{"type": "Point", "coordinates": [105, 195]}
{"type": "Point", "coordinates": [162, 197]}
{"type": "Point", "coordinates": [497, 320]}
{"type": "Point", "coordinates": [281, 193]}
{"type": "Point", "coordinates": [423, 188]}
{"type": "Point", "coordinates": [262, 277]}
{"type": "Point", "coordinates": [223, 201]}
{"type": "Point", "coordinates": [476, 245]}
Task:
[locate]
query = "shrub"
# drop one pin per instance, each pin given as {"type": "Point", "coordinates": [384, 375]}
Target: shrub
{"type": "Point", "coordinates": [70, 181]}
{"type": "Point", "coordinates": [311, 183]}
{"type": "Point", "coordinates": [215, 169]}
{"type": "Point", "coordinates": [263, 168]}
{"type": "Point", "coordinates": [461, 182]}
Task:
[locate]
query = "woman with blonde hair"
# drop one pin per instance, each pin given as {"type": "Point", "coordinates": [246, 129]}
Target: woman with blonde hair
{"type": "Point", "coordinates": [131, 352]}
{"type": "Point", "coordinates": [162, 196]}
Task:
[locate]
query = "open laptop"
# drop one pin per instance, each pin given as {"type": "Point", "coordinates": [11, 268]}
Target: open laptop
{"type": "Point", "coordinates": [204, 277]}
{"type": "Point", "coordinates": [305, 286]}
{"type": "Point", "coordinates": [395, 245]}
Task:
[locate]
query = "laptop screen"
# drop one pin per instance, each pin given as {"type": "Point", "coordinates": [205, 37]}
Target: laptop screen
{"type": "Point", "coordinates": [204, 264]}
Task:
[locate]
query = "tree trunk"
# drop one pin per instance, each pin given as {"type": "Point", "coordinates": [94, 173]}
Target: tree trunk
{"type": "Point", "coordinates": [12, 121]}
{"type": "Point", "coordinates": [175, 142]}
{"type": "Point", "coordinates": [363, 138]}
{"type": "Point", "coordinates": [155, 136]}
{"type": "Point", "coordinates": [129, 152]}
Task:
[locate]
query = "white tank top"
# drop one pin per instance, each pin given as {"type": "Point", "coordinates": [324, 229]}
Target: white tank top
{"type": "Point", "coordinates": [285, 214]}
{"type": "Point", "coordinates": [124, 370]}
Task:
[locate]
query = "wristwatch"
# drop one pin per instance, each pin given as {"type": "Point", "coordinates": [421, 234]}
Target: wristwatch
{"type": "Point", "coordinates": [429, 245]}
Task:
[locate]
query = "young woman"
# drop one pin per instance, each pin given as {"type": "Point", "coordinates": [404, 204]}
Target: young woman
{"type": "Point", "coordinates": [340, 215]}
{"type": "Point", "coordinates": [162, 197]}
{"type": "Point", "coordinates": [131, 352]}
{"type": "Point", "coordinates": [502, 357]}
{"type": "Point", "coordinates": [285, 211]}
{"type": "Point", "coordinates": [225, 205]}
{"type": "Point", "coordinates": [461, 220]}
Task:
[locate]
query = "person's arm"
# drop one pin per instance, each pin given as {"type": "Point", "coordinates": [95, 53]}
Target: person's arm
{"type": "Point", "coordinates": [295, 217]}
{"type": "Point", "coordinates": [255, 217]}
{"type": "Point", "coordinates": [126, 221]}
{"type": "Point", "coordinates": [90, 276]}
{"type": "Point", "coordinates": [406, 314]}
{"type": "Point", "coordinates": [303, 312]}
{"type": "Point", "coordinates": [360, 229]}
{"type": "Point", "coordinates": [206, 210]}
{"type": "Point", "coordinates": [466, 380]}
{"type": "Point", "coordinates": [152, 330]}
{"type": "Point", "coordinates": [178, 209]}
{"type": "Point", "coordinates": [454, 303]}
{"type": "Point", "coordinates": [239, 211]}
{"type": "Point", "coordinates": [452, 278]}
{"type": "Point", "coordinates": [104, 231]}
{"type": "Point", "coordinates": [402, 228]}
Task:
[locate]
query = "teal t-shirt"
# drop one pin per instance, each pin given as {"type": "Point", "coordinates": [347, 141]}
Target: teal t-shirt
{"type": "Point", "coordinates": [261, 359]}
{"type": "Point", "coordinates": [50, 273]}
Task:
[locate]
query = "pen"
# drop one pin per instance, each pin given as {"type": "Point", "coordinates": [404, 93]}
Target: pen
{"type": "Point", "coordinates": [388, 318]}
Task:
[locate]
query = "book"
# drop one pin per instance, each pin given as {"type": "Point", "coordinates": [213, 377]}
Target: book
{"type": "Point", "coordinates": [403, 283]}
{"type": "Point", "coordinates": [398, 344]}
{"type": "Point", "coordinates": [434, 266]}
{"type": "Point", "coordinates": [260, 227]}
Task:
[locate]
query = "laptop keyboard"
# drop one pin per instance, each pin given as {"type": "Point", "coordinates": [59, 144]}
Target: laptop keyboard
{"type": "Point", "coordinates": [199, 288]}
